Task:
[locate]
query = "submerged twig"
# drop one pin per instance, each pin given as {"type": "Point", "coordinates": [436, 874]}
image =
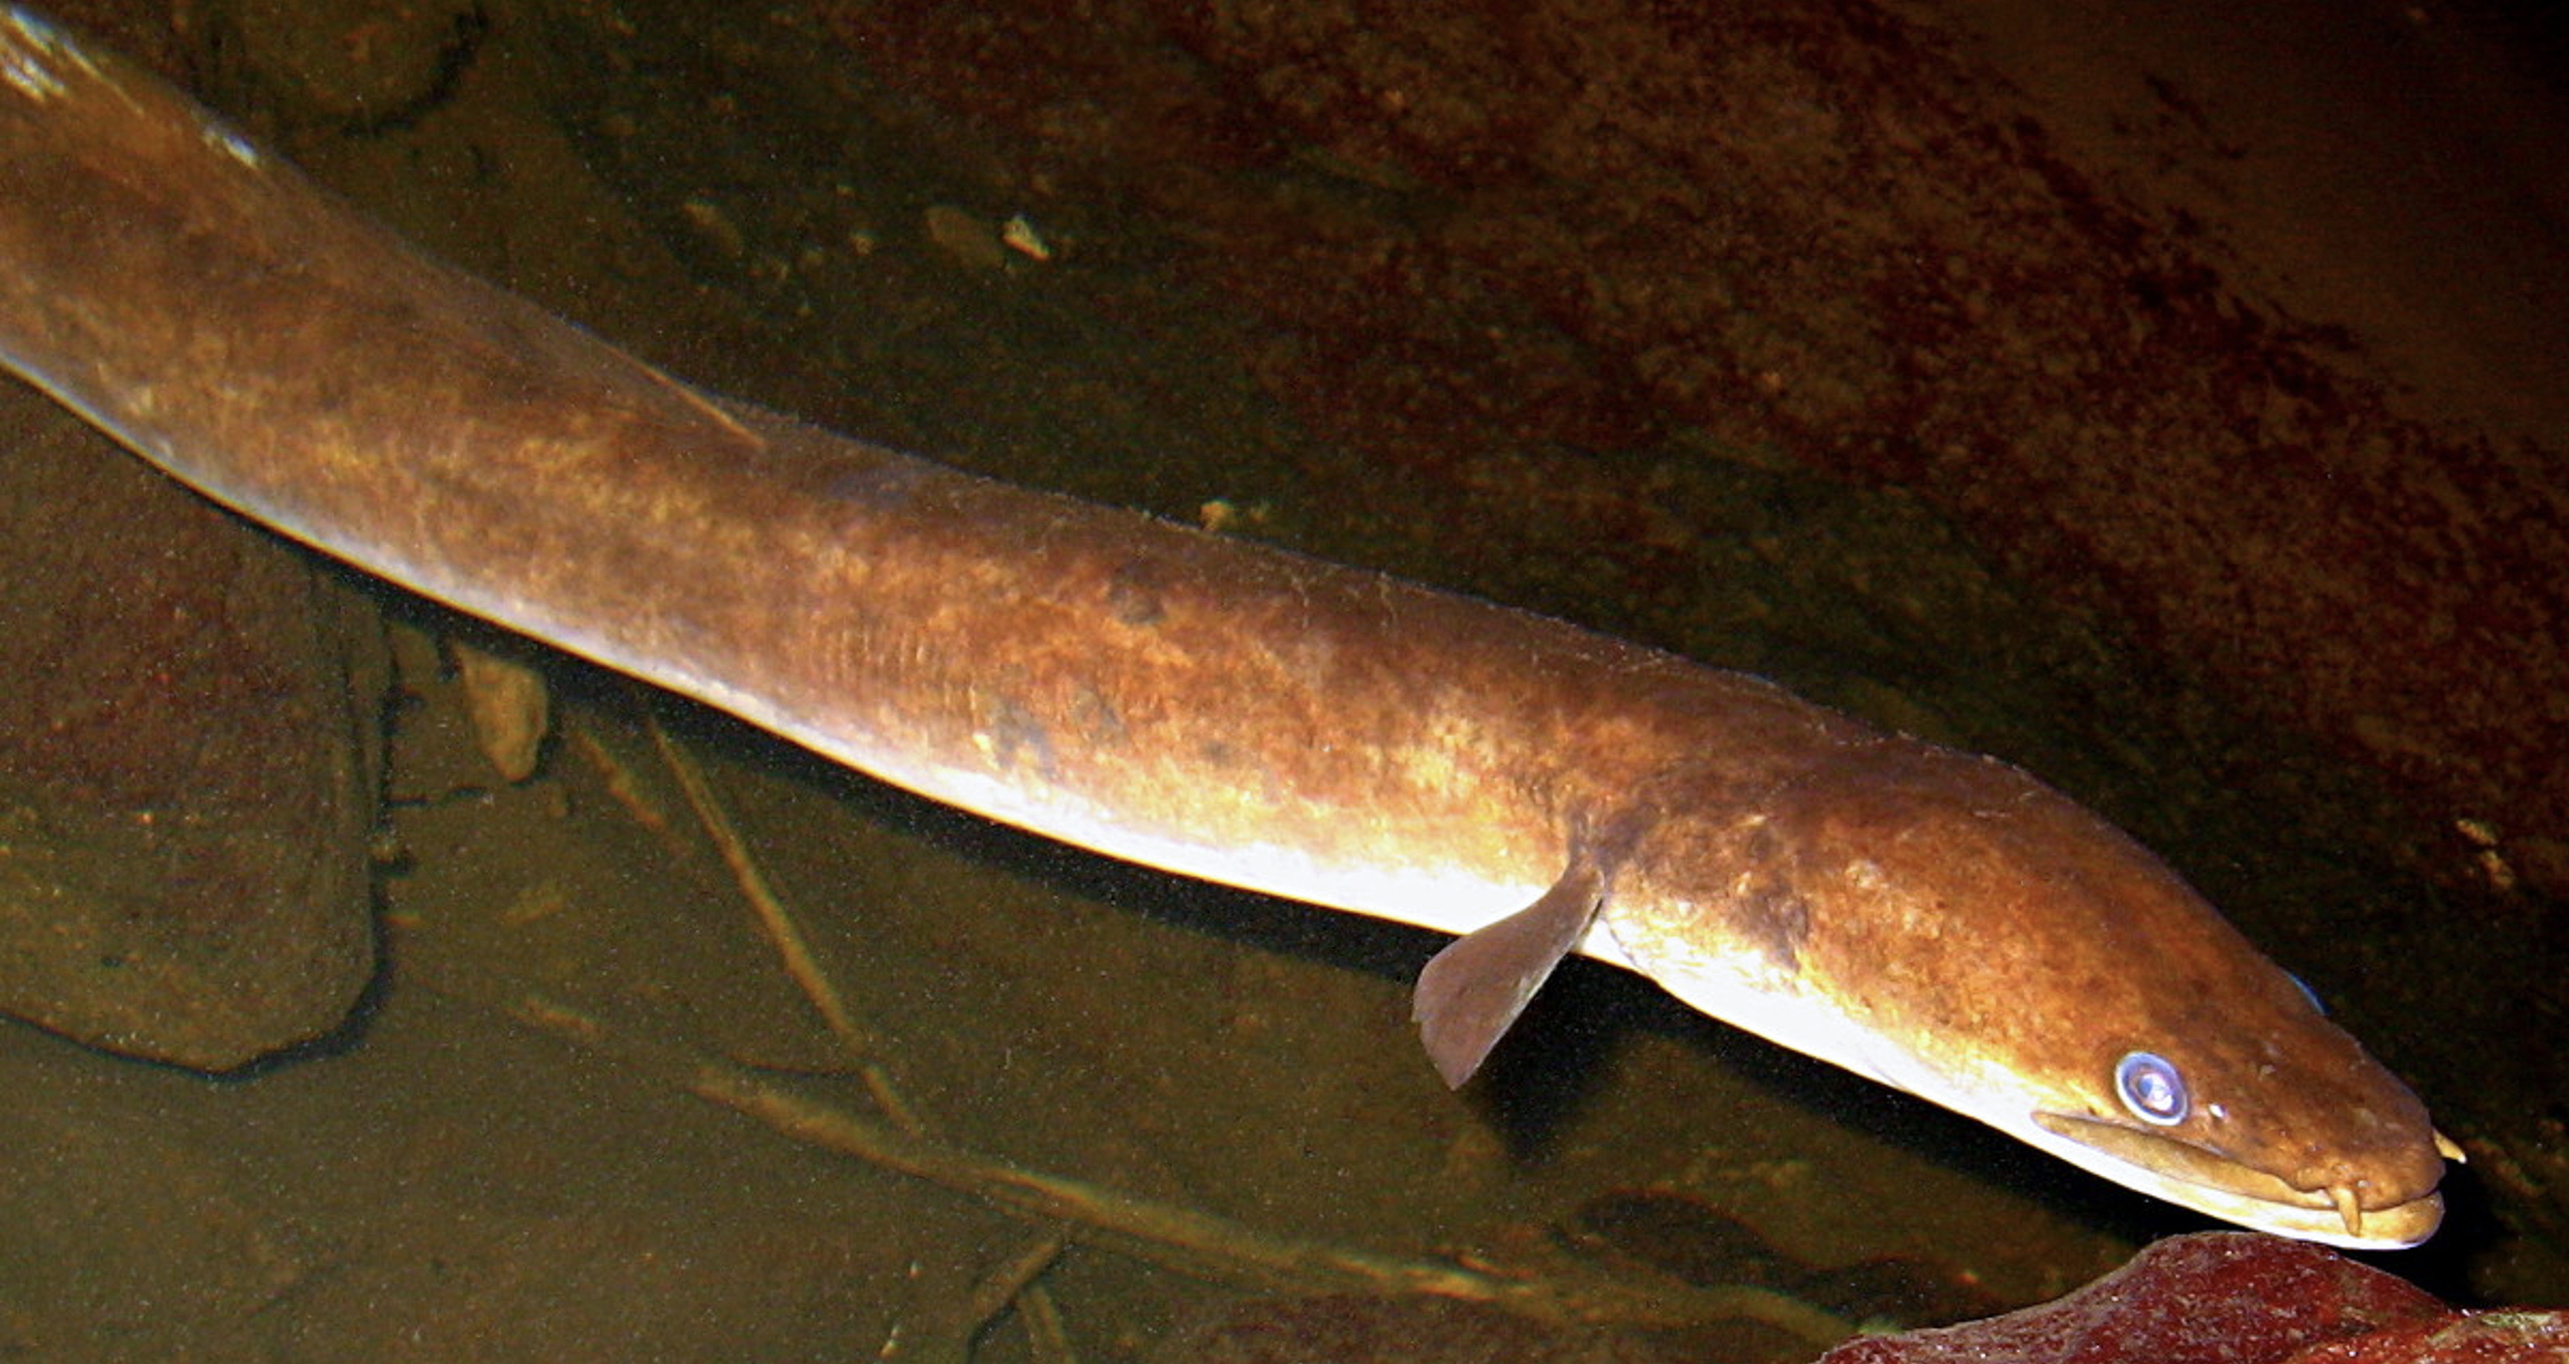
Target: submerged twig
{"type": "Point", "coordinates": [625, 788]}
{"type": "Point", "coordinates": [792, 948]}
{"type": "Point", "coordinates": [1184, 1239]}
{"type": "Point", "coordinates": [1047, 1339]}
{"type": "Point", "coordinates": [948, 1332]}
{"type": "Point", "coordinates": [1004, 1285]}
{"type": "Point", "coordinates": [859, 1041]}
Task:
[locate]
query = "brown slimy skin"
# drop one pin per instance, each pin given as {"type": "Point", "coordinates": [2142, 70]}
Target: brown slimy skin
{"type": "Point", "coordinates": [1955, 900]}
{"type": "Point", "coordinates": [1160, 694]}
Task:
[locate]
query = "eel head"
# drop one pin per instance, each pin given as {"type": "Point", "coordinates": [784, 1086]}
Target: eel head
{"type": "Point", "coordinates": [1951, 926]}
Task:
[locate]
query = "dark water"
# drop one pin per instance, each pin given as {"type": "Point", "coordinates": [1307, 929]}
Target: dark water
{"type": "Point", "coordinates": [776, 205]}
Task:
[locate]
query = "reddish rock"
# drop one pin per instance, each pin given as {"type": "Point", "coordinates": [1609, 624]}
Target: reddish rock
{"type": "Point", "coordinates": [2232, 1298]}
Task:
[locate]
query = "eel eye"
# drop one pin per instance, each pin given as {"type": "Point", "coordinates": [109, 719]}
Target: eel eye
{"type": "Point", "coordinates": [2152, 1088]}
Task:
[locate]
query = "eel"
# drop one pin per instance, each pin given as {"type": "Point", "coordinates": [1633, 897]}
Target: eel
{"type": "Point", "coordinates": [1938, 921]}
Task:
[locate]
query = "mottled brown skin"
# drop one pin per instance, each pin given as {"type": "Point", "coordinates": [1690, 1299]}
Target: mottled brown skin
{"type": "Point", "coordinates": [322, 378]}
{"type": "Point", "coordinates": [1939, 895]}
{"type": "Point", "coordinates": [1144, 689]}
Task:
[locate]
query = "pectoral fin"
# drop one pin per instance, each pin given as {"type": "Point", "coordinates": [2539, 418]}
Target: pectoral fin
{"type": "Point", "coordinates": [1475, 988]}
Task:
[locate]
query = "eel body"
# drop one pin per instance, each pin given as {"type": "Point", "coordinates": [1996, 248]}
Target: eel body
{"type": "Point", "coordinates": [1938, 921]}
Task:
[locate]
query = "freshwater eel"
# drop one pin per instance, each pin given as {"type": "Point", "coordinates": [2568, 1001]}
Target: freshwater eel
{"type": "Point", "coordinates": [1938, 921]}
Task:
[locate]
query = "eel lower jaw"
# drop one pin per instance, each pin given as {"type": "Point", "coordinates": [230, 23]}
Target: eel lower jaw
{"type": "Point", "coordinates": [2192, 1177]}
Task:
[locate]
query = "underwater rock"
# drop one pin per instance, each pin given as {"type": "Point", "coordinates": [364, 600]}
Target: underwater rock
{"type": "Point", "coordinates": [188, 746]}
{"type": "Point", "coordinates": [2233, 1298]}
{"type": "Point", "coordinates": [510, 705]}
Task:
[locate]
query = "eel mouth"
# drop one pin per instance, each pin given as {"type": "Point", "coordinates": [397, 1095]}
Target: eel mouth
{"type": "Point", "coordinates": [2353, 1214]}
